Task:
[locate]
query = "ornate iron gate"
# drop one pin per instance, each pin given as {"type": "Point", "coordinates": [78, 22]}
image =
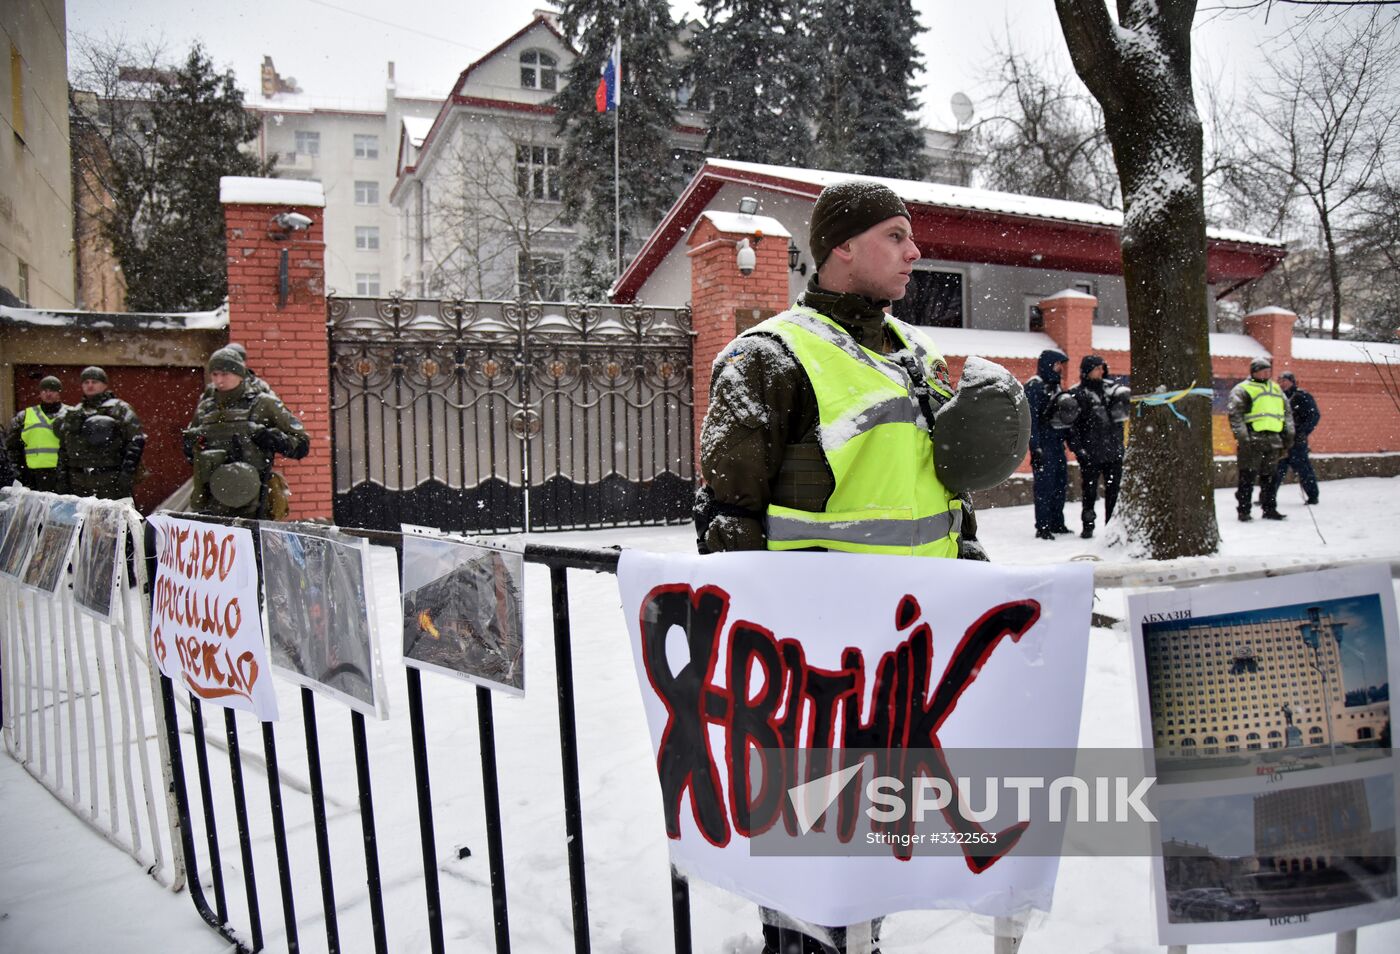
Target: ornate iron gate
{"type": "Point", "coordinates": [497, 416]}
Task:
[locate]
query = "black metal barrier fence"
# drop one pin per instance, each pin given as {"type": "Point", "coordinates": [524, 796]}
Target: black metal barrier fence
{"type": "Point", "coordinates": [559, 560]}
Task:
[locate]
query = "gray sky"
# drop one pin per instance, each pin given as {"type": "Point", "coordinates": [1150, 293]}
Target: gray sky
{"type": "Point", "coordinates": [339, 48]}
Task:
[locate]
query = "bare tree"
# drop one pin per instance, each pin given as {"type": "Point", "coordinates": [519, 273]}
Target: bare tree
{"type": "Point", "coordinates": [496, 215]}
{"type": "Point", "coordinates": [1045, 135]}
{"type": "Point", "coordinates": [1329, 126]}
{"type": "Point", "coordinates": [1139, 71]}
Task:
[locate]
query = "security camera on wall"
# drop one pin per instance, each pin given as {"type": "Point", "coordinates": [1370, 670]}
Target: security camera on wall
{"type": "Point", "coordinates": [292, 221]}
{"type": "Point", "coordinates": [746, 259]}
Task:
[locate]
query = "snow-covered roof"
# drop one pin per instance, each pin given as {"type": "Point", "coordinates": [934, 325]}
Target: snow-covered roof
{"type": "Point", "coordinates": [417, 128]}
{"type": "Point", "coordinates": [990, 344]}
{"type": "Point", "coordinates": [308, 103]}
{"type": "Point", "coordinates": [984, 200]}
{"type": "Point", "coordinates": [1110, 338]}
{"type": "Point", "coordinates": [1236, 346]}
{"type": "Point", "coordinates": [741, 224]}
{"type": "Point", "coordinates": [216, 320]}
{"type": "Point", "coordinates": [250, 190]}
{"type": "Point", "coordinates": [1328, 349]}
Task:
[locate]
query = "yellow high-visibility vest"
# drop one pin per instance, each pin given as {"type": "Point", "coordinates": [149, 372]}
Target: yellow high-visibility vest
{"type": "Point", "coordinates": [1267, 406]}
{"type": "Point", "coordinates": [40, 439]}
{"type": "Point", "coordinates": [887, 499]}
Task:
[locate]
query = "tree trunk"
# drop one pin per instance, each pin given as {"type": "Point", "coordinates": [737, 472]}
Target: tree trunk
{"type": "Point", "coordinates": [1140, 72]}
{"type": "Point", "coordinates": [1334, 275]}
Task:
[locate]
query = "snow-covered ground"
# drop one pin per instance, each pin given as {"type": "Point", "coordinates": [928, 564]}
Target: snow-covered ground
{"type": "Point", "coordinates": [62, 888]}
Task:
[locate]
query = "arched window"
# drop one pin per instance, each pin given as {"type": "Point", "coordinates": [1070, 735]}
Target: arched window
{"type": "Point", "coordinates": [1188, 743]}
{"type": "Point", "coordinates": [1212, 745]}
{"type": "Point", "coordinates": [539, 70]}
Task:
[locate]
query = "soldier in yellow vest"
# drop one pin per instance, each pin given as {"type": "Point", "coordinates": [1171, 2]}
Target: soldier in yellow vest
{"type": "Point", "coordinates": [1262, 423]}
{"type": "Point", "coordinates": [833, 426]}
{"type": "Point", "coordinates": [34, 438]}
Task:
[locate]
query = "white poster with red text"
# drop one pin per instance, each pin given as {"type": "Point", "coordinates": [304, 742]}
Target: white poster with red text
{"type": "Point", "coordinates": [206, 631]}
{"type": "Point", "coordinates": [999, 651]}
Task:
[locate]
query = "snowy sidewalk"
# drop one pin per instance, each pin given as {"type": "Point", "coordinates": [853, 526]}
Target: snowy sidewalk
{"type": "Point", "coordinates": [64, 888]}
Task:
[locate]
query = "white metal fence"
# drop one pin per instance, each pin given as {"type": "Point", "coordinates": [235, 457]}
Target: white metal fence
{"type": "Point", "coordinates": [79, 705]}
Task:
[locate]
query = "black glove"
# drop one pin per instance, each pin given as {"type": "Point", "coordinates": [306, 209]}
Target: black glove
{"type": "Point", "coordinates": [972, 550]}
{"type": "Point", "coordinates": [1037, 458]}
{"type": "Point", "coordinates": [270, 439]}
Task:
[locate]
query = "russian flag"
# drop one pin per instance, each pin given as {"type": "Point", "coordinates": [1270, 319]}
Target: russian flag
{"type": "Point", "coordinates": [607, 93]}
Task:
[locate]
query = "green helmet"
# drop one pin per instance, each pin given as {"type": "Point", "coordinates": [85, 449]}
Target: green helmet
{"type": "Point", "coordinates": [235, 485]}
{"type": "Point", "coordinates": [981, 435]}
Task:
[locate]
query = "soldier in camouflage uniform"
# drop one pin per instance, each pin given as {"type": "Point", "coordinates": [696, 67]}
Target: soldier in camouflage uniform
{"type": "Point", "coordinates": [232, 440]}
{"type": "Point", "coordinates": [100, 442]}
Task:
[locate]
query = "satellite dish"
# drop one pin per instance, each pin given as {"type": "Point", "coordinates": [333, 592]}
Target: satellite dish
{"type": "Point", "coordinates": [962, 108]}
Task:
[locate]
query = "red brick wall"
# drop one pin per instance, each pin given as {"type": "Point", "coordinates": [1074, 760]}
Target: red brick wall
{"type": "Point", "coordinates": [287, 345]}
{"type": "Point", "coordinates": [718, 292]}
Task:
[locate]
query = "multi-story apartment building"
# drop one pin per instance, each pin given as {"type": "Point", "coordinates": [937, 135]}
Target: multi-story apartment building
{"type": "Point", "coordinates": [478, 191]}
{"type": "Point", "coordinates": [350, 148]}
{"type": "Point", "coordinates": [36, 193]}
{"type": "Point", "coordinates": [1227, 686]}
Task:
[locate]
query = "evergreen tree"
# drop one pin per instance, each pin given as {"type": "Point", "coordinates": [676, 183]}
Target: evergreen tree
{"type": "Point", "coordinates": [752, 66]}
{"type": "Point", "coordinates": [865, 111]}
{"type": "Point", "coordinates": [646, 117]}
{"type": "Point", "coordinates": [158, 148]}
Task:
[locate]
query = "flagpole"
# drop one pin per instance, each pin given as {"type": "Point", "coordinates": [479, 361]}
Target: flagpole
{"type": "Point", "coordinates": [617, 136]}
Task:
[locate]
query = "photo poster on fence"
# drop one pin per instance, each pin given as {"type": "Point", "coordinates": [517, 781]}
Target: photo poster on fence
{"type": "Point", "coordinates": [1265, 706]}
{"type": "Point", "coordinates": [799, 622]}
{"type": "Point", "coordinates": [54, 549]}
{"type": "Point", "coordinates": [21, 532]}
{"type": "Point", "coordinates": [101, 555]}
{"type": "Point", "coordinates": [206, 632]}
{"type": "Point", "coordinates": [318, 602]}
{"type": "Point", "coordinates": [463, 610]}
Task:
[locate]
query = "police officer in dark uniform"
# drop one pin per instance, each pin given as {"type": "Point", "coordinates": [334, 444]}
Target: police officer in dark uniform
{"type": "Point", "coordinates": [101, 442]}
{"type": "Point", "coordinates": [1049, 473]}
{"type": "Point", "coordinates": [34, 438]}
{"type": "Point", "coordinates": [232, 441]}
{"type": "Point", "coordinates": [1096, 436]}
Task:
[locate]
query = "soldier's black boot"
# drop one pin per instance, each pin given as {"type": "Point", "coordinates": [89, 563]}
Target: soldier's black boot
{"type": "Point", "coordinates": [1245, 515]}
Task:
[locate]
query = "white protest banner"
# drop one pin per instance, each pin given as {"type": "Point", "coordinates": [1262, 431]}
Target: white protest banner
{"type": "Point", "coordinates": [841, 651]}
{"type": "Point", "coordinates": [206, 631]}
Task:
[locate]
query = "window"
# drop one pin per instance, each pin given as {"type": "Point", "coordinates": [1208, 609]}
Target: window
{"type": "Point", "coordinates": [367, 238]}
{"type": "Point", "coordinates": [1035, 318]}
{"type": "Point", "coordinates": [367, 283]}
{"type": "Point", "coordinates": [23, 289]}
{"type": "Point", "coordinates": [934, 298]}
{"type": "Point", "coordinates": [308, 143]}
{"type": "Point", "coordinates": [366, 146]}
{"type": "Point", "coordinates": [366, 192]}
{"type": "Point", "coordinates": [537, 172]}
{"type": "Point", "coordinates": [540, 277]}
{"type": "Point", "coordinates": [17, 93]}
{"type": "Point", "coordinates": [539, 70]}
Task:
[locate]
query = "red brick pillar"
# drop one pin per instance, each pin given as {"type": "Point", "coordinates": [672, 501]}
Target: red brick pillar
{"type": "Point", "coordinates": [1069, 319]}
{"type": "Point", "coordinates": [724, 302]}
{"type": "Point", "coordinates": [284, 330]}
{"type": "Point", "coordinates": [1273, 328]}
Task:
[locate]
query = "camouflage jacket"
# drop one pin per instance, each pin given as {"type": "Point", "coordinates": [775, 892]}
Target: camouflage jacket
{"type": "Point", "coordinates": [101, 434]}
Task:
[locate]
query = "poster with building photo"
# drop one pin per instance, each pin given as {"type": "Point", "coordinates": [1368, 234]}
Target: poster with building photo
{"type": "Point", "coordinates": [317, 597]}
{"type": "Point", "coordinates": [99, 559]}
{"type": "Point", "coordinates": [463, 611]}
{"type": "Point", "coordinates": [54, 548]}
{"type": "Point", "coordinates": [1265, 706]}
{"type": "Point", "coordinates": [26, 515]}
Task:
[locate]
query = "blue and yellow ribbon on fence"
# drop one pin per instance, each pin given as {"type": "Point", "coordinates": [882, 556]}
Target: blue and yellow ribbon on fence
{"type": "Point", "coordinates": [1169, 398]}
